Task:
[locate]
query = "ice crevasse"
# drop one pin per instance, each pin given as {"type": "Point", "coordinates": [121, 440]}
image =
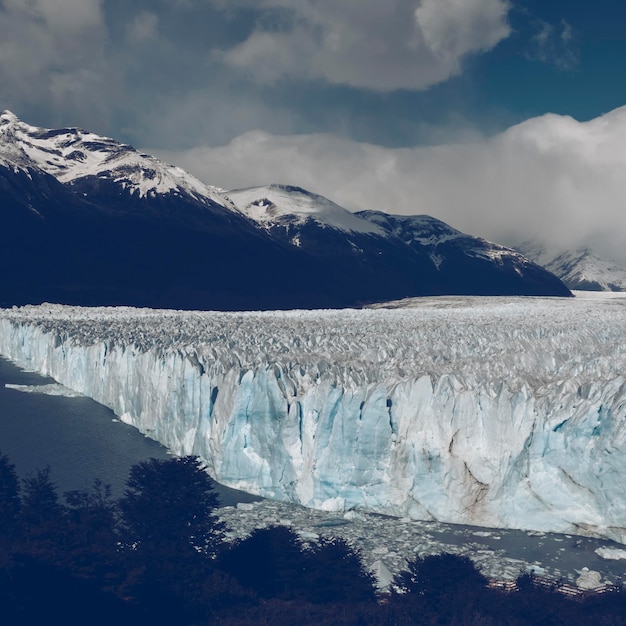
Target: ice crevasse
{"type": "Point", "coordinates": [500, 412]}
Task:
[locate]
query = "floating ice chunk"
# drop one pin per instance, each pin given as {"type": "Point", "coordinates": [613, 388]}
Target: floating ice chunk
{"type": "Point", "coordinates": [245, 506]}
{"type": "Point", "coordinates": [384, 577]}
{"type": "Point", "coordinates": [353, 515]}
{"type": "Point", "coordinates": [613, 554]}
{"type": "Point", "coordinates": [52, 389]}
{"type": "Point", "coordinates": [308, 535]}
{"type": "Point", "coordinates": [589, 579]}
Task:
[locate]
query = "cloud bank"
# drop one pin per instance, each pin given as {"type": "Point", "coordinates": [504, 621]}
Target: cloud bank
{"type": "Point", "coordinates": [242, 64]}
{"type": "Point", "coordinates": [53, 51]}
{"type": "Point", "coordinates": [551, 178]}
{"type": "Point", "coordinates": [396, 44]}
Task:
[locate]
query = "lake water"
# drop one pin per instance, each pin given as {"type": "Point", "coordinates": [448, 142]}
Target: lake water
{"type": "Point", "coordinates": [78, 438]}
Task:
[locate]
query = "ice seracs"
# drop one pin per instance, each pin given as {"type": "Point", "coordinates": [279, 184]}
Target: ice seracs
{"type": "Point", "coordinates": [500, 412]}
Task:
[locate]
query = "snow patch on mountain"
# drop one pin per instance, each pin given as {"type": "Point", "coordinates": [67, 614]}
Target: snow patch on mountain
{"type": "Point", "coordinates": [433, 234]}
{"type": "Point", "coordinates": [275, 204]}
{"type": "Point", "coordinates": [500, 412]}
{"type": "Point", "coordinates": [70, 154]}
{"type": "Point", "coordinates": [422, 229]}
{"type": "Point", "coordinates": [580, 269]}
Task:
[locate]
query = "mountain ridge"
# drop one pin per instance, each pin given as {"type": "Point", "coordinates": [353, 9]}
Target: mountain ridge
{"type": "Point", "coordinates": [88, 220]}
{"type": "Point", "coordinates": [580, 269]}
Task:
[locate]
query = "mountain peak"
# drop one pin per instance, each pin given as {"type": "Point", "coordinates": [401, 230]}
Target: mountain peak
{"type": "Point", "coordinates": [72, 155]}
{"type": "Point", "coordinates": [581, 268]}
{"type": "Point", "coordinates": [7, 117]}
{"type": "Point", "coordinates": [275, 204]}
{"type": "Point", "coordinates": [291, 189]}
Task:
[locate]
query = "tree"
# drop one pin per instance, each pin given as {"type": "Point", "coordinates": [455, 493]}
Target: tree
{"type": "Point", "coordinates": [40, 501]}
{"type": "Point", "coordinates": [446, 588]}
{"type": "Point", "coordinates": [440, 574]}
{"type": "Point", "coordinates": [92, 545]}
{"type": "Point", "coordinates": [44, 532]}
{"type": "Point", "coordinates": [169, 505]}
{"type": "Point", "coordinates": [337, 574]}
{"type": "Point", "coordinates": [10, 506]}
{"type": "Point", "coordinates": [170, 534]}
{"type": "Point", "coordinates": [43, 515]}
{"type": "Point", "coordinates": [270, 562]}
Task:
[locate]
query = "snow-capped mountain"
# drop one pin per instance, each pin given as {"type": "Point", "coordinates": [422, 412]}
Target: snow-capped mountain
{"type": "Point", "coordinates": [72, 155]}
{"type": "Point", "coordinates": [87, 220]}
{"type": "Point", "coordinates": [469, 265]}
{"type": "Point", "coordinates": [451, 261]}
{"type": "Point", "coordinates": [580, 269]}
{"type": "Point", "coordinates": [285, 206]}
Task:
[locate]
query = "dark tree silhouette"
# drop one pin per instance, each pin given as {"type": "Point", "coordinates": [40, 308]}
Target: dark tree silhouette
{"type": "Point", "coordinates": [40, 500]}
{"type": "Point", "coordinates": [271, 562]}
{"type": "Point", "coordinates": [92, 544]}
{"type": "Point", "coordinates": [170, 533]}
{"type": "Point", "coordinates": [93, 511]}
{"type": "Point", "coordinates": [10, 506]}
{"type": "Point", "coordinates": [443, 588]}
{"type": "Point", "coordinates": [171, 503]}
{"type": "Point", "coordinates": [44, 519]}
{"type": "Point", "coordinates": [337, 574]}
{"type": "Point", "coordinates": [441, 573]}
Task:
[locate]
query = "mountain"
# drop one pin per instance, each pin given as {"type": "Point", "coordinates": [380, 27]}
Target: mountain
{"type": "Point", "coordinates": [87, 220]}
{"type": "Point", "coordinates": [445, 259]}
{"type": "Point", "coordinates": [466, 264]}
{"type": "Point", "coordinates": [580, 269]}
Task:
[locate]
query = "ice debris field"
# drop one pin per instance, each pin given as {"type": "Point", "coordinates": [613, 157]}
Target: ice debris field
{"type": "Point", "coordinates": [385, 544]}
{"type": "Point", "coordinates": [496, 412]}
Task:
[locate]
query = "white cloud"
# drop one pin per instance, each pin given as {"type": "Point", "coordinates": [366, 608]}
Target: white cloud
{"type": "Point", "coordinates": [53, 51]}
{"type": "Point", "coordinates": [453, 28]}
{"type": "Point", "coordinates": [549, 177]}
{"type": "Point", "coordinates": [144, 27]}
{"type": "Point", "coordinates": [59, 16]}
{"type": "Point", "coordinates": [396, 44]}
{"type": "Point", "coordinates": [553, 44]}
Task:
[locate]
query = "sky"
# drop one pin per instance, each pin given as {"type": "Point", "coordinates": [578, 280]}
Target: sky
{"type": "Point", "coordinates": [501, 117]}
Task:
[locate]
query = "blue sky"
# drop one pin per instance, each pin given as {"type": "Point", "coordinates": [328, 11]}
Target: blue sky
{"type": "Point", "coordinates": [368, 102]}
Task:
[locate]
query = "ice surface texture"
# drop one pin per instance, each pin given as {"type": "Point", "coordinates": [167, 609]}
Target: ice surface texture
{"type": "Point", "coordinates": [502, 412]}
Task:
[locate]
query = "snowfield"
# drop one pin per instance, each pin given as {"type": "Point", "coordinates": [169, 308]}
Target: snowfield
{"type": "Point", "coordinates": [499, 412]}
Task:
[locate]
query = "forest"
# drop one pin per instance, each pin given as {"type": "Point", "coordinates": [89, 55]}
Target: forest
{"type": "Point", "coordinates": [159, 555]}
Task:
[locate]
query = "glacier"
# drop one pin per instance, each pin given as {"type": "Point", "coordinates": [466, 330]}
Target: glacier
{"type": "Point", "coordinates": [501, 412]}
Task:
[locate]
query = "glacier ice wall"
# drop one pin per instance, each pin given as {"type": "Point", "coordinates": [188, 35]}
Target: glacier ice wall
{"type": "Point", "coordinates": [502, 412]}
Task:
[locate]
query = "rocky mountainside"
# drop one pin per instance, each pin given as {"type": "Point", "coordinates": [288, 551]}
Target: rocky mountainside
{"type": "Point", "coordinates": [580, 269]}
{"type": "Point", "coordinates": [462, 264]}
{"type": "Point", "coordinates": [87, 220]}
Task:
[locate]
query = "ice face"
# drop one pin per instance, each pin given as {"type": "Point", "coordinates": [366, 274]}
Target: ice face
{"type": "Point", "coordinates": [500, 412]}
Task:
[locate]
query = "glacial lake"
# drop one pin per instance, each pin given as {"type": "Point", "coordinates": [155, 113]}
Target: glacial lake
{"type": "Point", "coordinates": [82, 440]}
{"type": "Point", "coordinates": [78, 438]}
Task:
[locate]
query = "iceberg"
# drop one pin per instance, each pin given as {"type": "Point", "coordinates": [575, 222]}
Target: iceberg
{"type": "Point", "coordinates": [502, 412]}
